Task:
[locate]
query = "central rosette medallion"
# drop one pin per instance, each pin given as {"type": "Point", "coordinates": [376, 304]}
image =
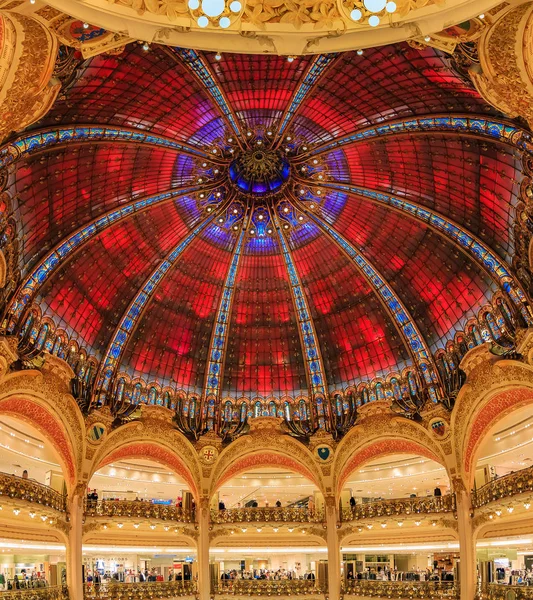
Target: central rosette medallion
{"type": "Point", "coordinates": [259, 171]}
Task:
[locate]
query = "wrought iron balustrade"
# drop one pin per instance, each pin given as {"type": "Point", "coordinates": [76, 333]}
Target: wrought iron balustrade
{"type": "Point", "coordinates": [31, 491]}
{"type": "Point", "coordinates": [268, 587]}
{"type": "Point", "coordinates": [425, 590]}
{"type": "Point", "coordinates": [59, 592]}
{"type": "Point", "coordinates": [399, 506]}
{"type": "Point", "coordinates": [498, 591]}
{"type": "Point", "coordinates": [267, 514]}
{"type": "Point", "coordinates": [510, 485]}
{"type": "Point", "coordinates": [139, 509]}
{"type": "Point", "coordinates": [112, 590]}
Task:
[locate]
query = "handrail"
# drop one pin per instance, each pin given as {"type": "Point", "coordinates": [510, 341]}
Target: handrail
{"type": "Point", "coordinates": [512, 484]}
{"type": "Point", "coordinates": [267, 514]}
{"type": "Point", "coordinates": [139, 591]}
{"type": "Point", "coordinates": [31, 491]}
{"type": "Point", "coordinates": [59, 592]}
{"type": "Point", "coordinates": [261, 587]}
{"type": "Point", "coordinates": [499, 591]}
{"type": "Point", "coordinates": [400, 506]}
{"type": "Point", "coordinates": [425, 590]}
{"type": "Point", "coordinates": [139, 509]}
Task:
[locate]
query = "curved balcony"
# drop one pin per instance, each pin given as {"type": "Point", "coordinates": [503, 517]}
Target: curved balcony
{"type": "Point", "coordinates": [513, 484]}
{"type": "Point", "coordinates": [31, 491]}
{"type": "Point", "coordinates": [267, 515]}
{"type": "Point", "coordinates": [268, 587]}
{"type": "Point", "coordinates": [497, 591]}
{"type": "Point", "coordinates": [401, 589]}
{"type": "Point", "coordinates": [400, 506]}
{"type": "Point", "coordinates": [59, 592]}
{"type": "Point", "coordinates": [139, 509]}
{"type": "Point", "coordinates": [139, 591]}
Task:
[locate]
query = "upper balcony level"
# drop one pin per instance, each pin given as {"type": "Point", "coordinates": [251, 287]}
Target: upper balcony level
{"type": "Point", "coordinates": [267, 515]}
{"type": "Point", "coordinates": [512, 485]}
{"type": "Point", "coordinates": [138, 509]}
{"type": "Point", "coordinates": [29, 491]}
{"type": "Point", "coordinates": [400, 506]}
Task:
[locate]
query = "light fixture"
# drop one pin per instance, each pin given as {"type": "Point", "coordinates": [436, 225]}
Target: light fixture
{"type": "Point", "coordinates": [290, 59]}
{"type": "Point", "coordinates": [105, 526]}
{"type": "Point", "coordinates": [427, 38]}
{"type": "Point", "coordinates": [269, 231]}
{"type": "Point", "coordinates": [383, 525]}
{"type": "Point", "coordinates": [375, 6]}
{"type": "Point", "coordinates": [44, 518]}
{"type": "Point", "coordinates": [232, 532]}
{"type": "Point", "coordinates": [498, 512]}
{"type": "Point", "coordinates": [86, 26]}
{"type": "Point", "coordinates": [275, 530]}
{"type": "Point", "coordinates": [369, 526]}
{"type": "Point", "coordinates": [360, 52]}
{"type": "Point", "coordinates": [213, 8]}
{"type": "Point", "coordinates": [152, 527]}
{"type": "Point", "coordinates": [311, 206]}
{"type": "Point", "coordinates": [136, 525]}
{"type": "Point", "coordinates": [252, 231]}
{"type": "Point", "coordinates": [482, 16]}
{"type": "Point", "coordinates": [16, 511]}
{"type": "Point", "coordinates": [417, 523]}
{"type": "Point", "coordinates": [120, 525]}
{"type": "Point", "coordinates": [400, 523]}
{"type": "Point", "coordinates": [527, 505]}
{"type": "Point", "coordinates": [243, 529]}
{"type": "Point", "coordinates": [315, 161]}
{"type": "Point", "coordinates": [259, 529]}
{"type": "Point", "coordinates": [510, 509]}
{"type": "Point", "coordinates": [166, 527]}
{"type": "Point", "coordinates": [218, 56]}
{"type": "Point", "coordinates": [146, 46]}
{"type": "Point", "coordinates": [290, 529]}
{"type": "Point", "coordinates": [32, 514]}
{"type": "Point", "coordinates": [269, 133]}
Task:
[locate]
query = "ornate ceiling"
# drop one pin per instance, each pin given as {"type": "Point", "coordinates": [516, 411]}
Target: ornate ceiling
{"type": "Point", "coordinates": [272, 26]}
{"type": "Point", "coordinates": [245, 225]}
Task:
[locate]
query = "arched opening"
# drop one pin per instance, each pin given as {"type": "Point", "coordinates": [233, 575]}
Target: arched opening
{"type": "Point", "coordinates": [49, 427]}
{"type": "Point", "coordinates": [272, 516]}
{"type": "Point", "coordinates": [33, 515]}
{"type": "Point", "coordinates": [140, 502]}
{"type": "Point", "coordinates": [393, 492]}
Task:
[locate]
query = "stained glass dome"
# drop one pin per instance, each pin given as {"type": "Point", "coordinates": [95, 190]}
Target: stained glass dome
{"type": "Point", "coordinates": [253, 227]}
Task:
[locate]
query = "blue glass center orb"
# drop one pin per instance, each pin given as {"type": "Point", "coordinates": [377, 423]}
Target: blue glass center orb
{"type": "Point", "coordinates": [259, 172]}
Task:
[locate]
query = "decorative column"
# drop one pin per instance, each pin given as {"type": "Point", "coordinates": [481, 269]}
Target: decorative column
{"type": "Point", "coordinates": [467, 542]}
{"type": "Point", "coordinates": [334, 553]}
{"type": "Point", "coordinates": [204, 575]}
{"type": "Point", "coordinates": [75, 544]}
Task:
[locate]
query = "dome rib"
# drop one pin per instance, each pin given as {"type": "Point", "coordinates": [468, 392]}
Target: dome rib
{"type": "Point", "coordinates": [130, 319]}
{"type": "Point", "coordinates": [54, 137]}
{"type": "Point", "coordinates": [206, 77]}
{"type": "Point", "coordinates": [414, 341]}
{"type": "Point", "coordinates": [305, 87]}
{"type": "Point", "coordinates": [494, 129]}
{"type": "Point", "coordinates": [67, 247]}
{"type": "Point", "coordinates": [214, 372]}
{"type": "Point", "coordinates": [316, 375]}
{"type": "Point", "coordinates": [461, 238]}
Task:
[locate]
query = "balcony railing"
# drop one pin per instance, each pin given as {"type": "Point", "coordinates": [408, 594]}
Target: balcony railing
{"type": "Point", "coordinates": [511, 485]}
{"type": "Point", "coordinates": [401, 589]}
{"type": "Point", "coordinates": [267, 515]}
{"type": "Point", "coordinates": [31, 491]}
{"type": "Point", "coordinates": [400, 506]}
{"type": "Point", "coordinates": [139, 591]}
{"type": "Point", "coordinates": [48, 593]}
{"type": "Point", "coordinates": [268, 587]}
{"type": "Point", "coordinates": [497, 591]}
{"type": "Point", "coordinates": [138, 509]}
